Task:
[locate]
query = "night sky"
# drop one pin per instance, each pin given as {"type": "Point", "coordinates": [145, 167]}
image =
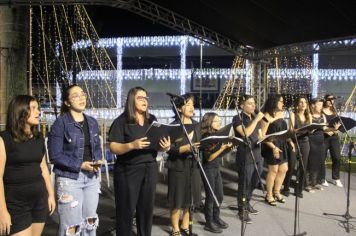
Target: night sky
{"type": "Point", "coordinates": [115, 22]}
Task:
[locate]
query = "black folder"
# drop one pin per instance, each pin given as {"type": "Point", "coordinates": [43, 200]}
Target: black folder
{"type": "Point", "coordinates": [158, 130]}
{"type": "Point", "coordinates": [310, 127]}
{"type": "Point", "coordinates": [207, 142]}
{"type": "Point", "coordinates": [223, 135]}
{"type": "Point", "coordinates": [348, 122]}
{"type": "Point", "coordinates": [284, 134]}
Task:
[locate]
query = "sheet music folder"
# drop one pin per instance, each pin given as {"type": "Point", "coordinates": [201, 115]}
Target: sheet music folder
{"type": "Point", "coordinates": [284, 134]}
{"type": "Point", "coordinates": [310, 127]}
{"type": "Point", "coordinates": [223, 135]}
{"type": "Point", "coordinates": [348, 122]}
{"type": "Point", "coordinates": [158, 130]}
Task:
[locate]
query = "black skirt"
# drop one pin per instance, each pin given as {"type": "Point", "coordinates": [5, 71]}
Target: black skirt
{"type": "Point", "coordinates": [180, 184]}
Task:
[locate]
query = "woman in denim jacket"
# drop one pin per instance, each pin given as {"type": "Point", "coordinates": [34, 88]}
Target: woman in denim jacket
{"type": "Point", "coordinates": [75, 151]}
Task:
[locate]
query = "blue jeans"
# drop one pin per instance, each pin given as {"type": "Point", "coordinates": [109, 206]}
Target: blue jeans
{"type": "Point", "coordinates": [77, 204]}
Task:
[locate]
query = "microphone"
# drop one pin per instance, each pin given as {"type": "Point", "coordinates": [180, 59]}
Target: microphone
{"type": "Point", "coordinates": [174, 96]}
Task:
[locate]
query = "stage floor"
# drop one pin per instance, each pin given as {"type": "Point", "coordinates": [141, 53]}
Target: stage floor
{"type": "Point", "coordinates": [270, 221]}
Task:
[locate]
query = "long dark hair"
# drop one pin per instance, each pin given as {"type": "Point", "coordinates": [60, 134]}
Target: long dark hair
{"type": "Point", "coordinates": [18, 112]}
{"type": "Point", "coordinates": [181, 102]}
{"type": "Point", "coordinates": [65, 98]}
{"type": "Point", "coordinates": [206, 123]}
{"type": "Point", "coordinates": [270, 105]}
{"type": "Point", "coordinates": [130, 109]}
{"type": "Point", "coordinates": [307, 111]}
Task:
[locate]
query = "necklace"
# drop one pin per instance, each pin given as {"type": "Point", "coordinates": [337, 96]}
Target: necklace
{"type": "Point", "coordinates": [81, 124]}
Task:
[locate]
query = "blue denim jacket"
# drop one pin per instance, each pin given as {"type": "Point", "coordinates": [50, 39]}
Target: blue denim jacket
{"type": "Point", "coordinates": [66, 145]}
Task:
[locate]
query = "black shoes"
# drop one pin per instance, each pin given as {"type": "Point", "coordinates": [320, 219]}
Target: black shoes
{"type": "Point", "coordinates": [245, 217]}
{"type": "Point", "coordinates": [251, 210]}
{"type": "Point", "coordinates": [285, 192]}
{"type": "Point", "coordinates": [212, 227]}
{"type": "Point", "coordinates": [177, 233]}
{"type": "Point", "coordinates": [221, 224]}
{"type": "Point", "coordinates": [300, 195]}
{"type": "Point", "coordinates": [185, 232]}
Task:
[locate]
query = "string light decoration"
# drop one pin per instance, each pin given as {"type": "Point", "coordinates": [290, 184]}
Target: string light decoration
{"type": "Point", "coordinates": [315, 75]}
{"type": "Point", "coordinates": [55, 64]}
{"type": "Point", "coordinates": [67, 50]}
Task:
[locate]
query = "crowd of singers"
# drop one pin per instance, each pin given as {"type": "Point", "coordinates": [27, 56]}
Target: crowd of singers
{"type": "Point", "coordinates": [74, 148]}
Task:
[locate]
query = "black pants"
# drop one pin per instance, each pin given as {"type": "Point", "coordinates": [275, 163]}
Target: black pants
{"type": "Point", "coordinates": [248, 181]}
{"type": "Point", "coordinates": [332, 144]}
{"type": "Point", "coordinates": [135, 188]}
{"type": "Point", "coordinates": [316, 158]}
{"type": "Point", "coordinates": [292, 161]}
{"type": "Point", "coordinates": [211, 210]}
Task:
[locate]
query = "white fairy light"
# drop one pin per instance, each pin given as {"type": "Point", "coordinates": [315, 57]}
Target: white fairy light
{"type": "Point", "coordinates": [119, 76]}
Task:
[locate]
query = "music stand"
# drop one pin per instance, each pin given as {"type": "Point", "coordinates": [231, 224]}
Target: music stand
{"type": "Point", "coordinates": [347, 215]}
{"type": "Point", "coordinates": [301, 166]}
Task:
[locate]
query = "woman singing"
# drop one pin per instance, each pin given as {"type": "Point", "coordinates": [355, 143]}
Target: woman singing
{"type": "Point", "coordinates": [316, 140]}
{"type": "Point", "coordinates": [135, 172]}
{"type": "Point", "coordinates": [183, 172]}
{"type": "Point", "coordinates": [275, 151]}
{"type": "Point", "coordinates": [299, 118]}
{"type": "Point", "coordinates": [26, 193]}
{"type": "Point", "coordinates": [75, 151]}
{"type": "Point", "coordinates": [332, 143]}
{"type": "Point", "coordinates": [211, 158]}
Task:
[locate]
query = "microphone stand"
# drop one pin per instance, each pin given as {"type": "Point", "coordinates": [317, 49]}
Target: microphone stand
{"type": "Point", "coordinates": [347, 215]}
{"type": "Point", "coordinates": [247, 143]}
{"type": "Point", "coordinates": [300, 165]}
{"type": "Point", "coordinates": [195, 154]}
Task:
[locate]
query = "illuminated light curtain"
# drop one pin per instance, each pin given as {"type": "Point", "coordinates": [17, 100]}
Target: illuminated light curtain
{"type": "Point", "coordinates": [315, 75]}
{"type": "Point", "coordinates": [119, 76]}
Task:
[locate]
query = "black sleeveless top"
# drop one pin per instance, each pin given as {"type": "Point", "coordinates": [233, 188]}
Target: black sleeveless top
{"type": "Point", "coordinates": [318, 120]}
{"type": "Point", "coordinates": [276, 126]}
{"type": "Point", "coordinates": [22, 159]}
{"type": "Point", "coordinates": [299, 124]}
{"type": "Point", "coordinates": [328, 119]}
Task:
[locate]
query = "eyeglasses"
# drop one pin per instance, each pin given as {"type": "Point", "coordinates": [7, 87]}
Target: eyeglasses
{"type": "Point", "coordinates": [142, 98]}
{"type": "Point", "coordinates": [76, 96]}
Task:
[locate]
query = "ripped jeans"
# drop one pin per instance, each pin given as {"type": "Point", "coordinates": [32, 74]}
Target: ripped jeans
{"type": "Point", "coordinates": [77, 204]}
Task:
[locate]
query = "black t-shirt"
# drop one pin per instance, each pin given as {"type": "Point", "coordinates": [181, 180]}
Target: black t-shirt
{"type": "Point", "coordinates": [211, 150]}
{"type": "Point", "coordinates": [22, 159]}
{"type": "Point", "coordinates": [178, 161]}
{"type": "Point", "coordinates": [121, 131]}
{"type": "Point", "coordinates": [243, 153]}
{"type": "Point", "coordinates": [87, 156]}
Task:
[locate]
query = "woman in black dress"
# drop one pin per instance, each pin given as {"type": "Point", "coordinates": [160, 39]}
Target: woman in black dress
{"type": "Point", "coordinates": [26, 193]}
{"type": "Point", "coordinates": [183, 172]}
{"type": "Point", "coordinates": [301, 117]}
{"type": "Point", "coordinates": [316, 140]}
{"type": "Point", "coordinates": [332, 143]}
{"type": "Point", "coordinates": [275, 151]}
